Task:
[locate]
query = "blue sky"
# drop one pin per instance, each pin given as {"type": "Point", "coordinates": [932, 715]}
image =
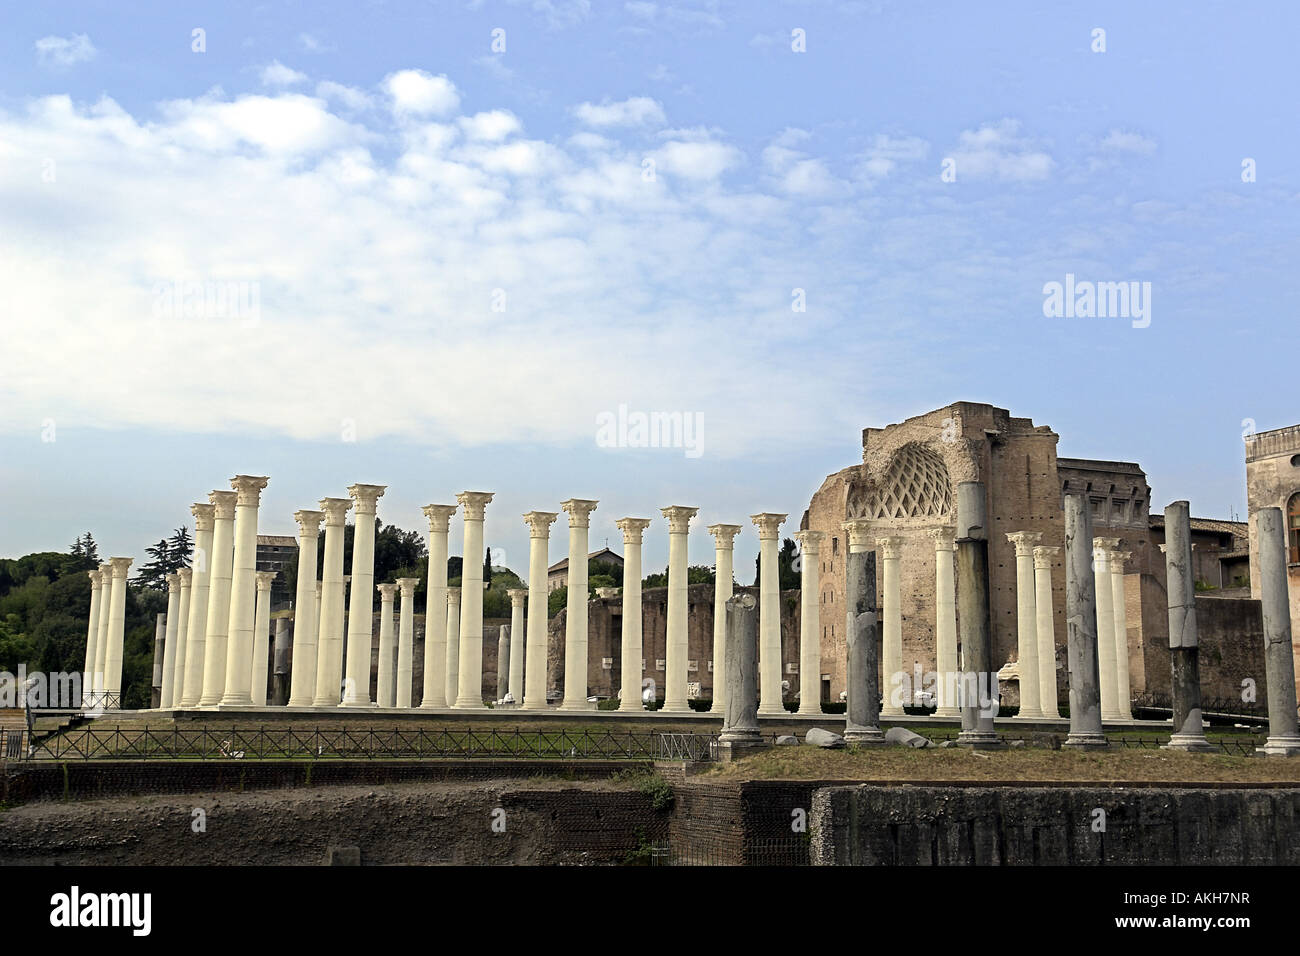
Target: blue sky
{"type": "Point", "coordinates": [454, 259]}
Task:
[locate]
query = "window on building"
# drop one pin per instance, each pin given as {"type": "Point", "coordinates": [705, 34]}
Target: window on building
{"type": "Point", "coordinates": [1293, 528]}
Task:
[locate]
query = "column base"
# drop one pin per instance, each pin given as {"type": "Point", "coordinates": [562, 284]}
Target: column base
{"type": "Point", "coordinates": [1280, 747]}
{"type": "Point", "coordinates": [469, 703]}
{"type": "Point", "coordinates": [740, 745]}
{"type": "Point", "coordinates": [359, 705]}
{"type": "Point", "coordinates": [980, 740]}
{"type": "Point", "coordinates": [1086, 741]}
{"type": "Point", "coordinates": [769, 712]}
{"type": "Point", "coordinates": [638, 709]}
{"type": "Point", "coordinates": [577, 705]}
{"type": "Point", "coordinates": [895, 712]}
{"type": "Point", "coordinates": [864, 736]}
{"type": "Point", "coordinates": [1113, 717]}
{"type": "Point", "coordinates": [436, 705]}
{"type": "Point", "coordinates": [807, 713]}
{"type": "Point", "coordinates": [237, 702]}
{"type": "Point", "coordinates": [1190, 743]}
{"type": "Point", "coordinates": [948, 712]}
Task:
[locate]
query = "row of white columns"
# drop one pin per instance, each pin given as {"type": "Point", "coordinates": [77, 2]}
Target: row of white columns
{"type": "Point", "coordinates": [105, 632]}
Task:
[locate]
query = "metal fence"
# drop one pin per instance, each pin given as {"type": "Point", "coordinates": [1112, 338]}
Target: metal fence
{"type": "Point", "coordinates": [692, 748]}
{"type": "Point", "coordinates": [1209, 705]}
{"type": "Point", "coordinates": [760, 851]}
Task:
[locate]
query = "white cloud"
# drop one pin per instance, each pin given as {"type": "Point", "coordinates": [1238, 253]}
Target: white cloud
{"type": "Point", "coordinates": [349, 96]}
{"type": "Point", "coordinates": [283, 125]}
{"type": "Point", "coordinates": [417, 93]}
{"type": "Point", "coordinates": [493, 126]}
{"type": "Point", "coordinates": [636, 111]}
{"type": "Point", "coordinates": [311, 44]}
{"type": "Point", "coordinates": [65, 51]}
{"type": "Point", "coordinates": [1121, 141]}
{"type": "Point", "coordinates": [697, 160]}
{"type": "Point", "coordinates": [997, 151]}
{"type": "Point", "coordinates": [795, 172]}
{"type": "Point", "coordinates": [886, 152]}
{"type": "Point", "coordinates": [277, 74]}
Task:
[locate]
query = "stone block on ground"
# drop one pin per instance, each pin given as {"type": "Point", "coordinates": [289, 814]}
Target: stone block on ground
{"type": "Point", "coordinates": [824, 738]}
{"type": "Point", "coordinates": [906, 738]}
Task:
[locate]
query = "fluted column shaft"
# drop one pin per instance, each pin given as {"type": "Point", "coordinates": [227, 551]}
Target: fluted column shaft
{"type": "Point", "coordinates": [329, 642]}
{"type": "Point", "coordinates": [1119, 604]}
{"type": "Point", "coordinates": [677, 643]}
{"type": "Point", "coordinates": [116, 629]}
{"type": "Point", "coordinates": [469, 695]}
{"type": "Point", "coordinates": [518, 639]}
{"type": "Point", "coordinates": [169, 640]}
{"type": "Point", "coordinates": [406, 641]}
{"type": "Point", "coordinates": [724, 572]}
{"type": "Point", "coordinates": [769, 612]}
{"type": "Point", "coordinates": [539, 524]}
{"type": "Point", "coordinates": [219, 591]}
{"type": "Point", "coordinates": [1101, 548]}
{"type": "Point", "coordinates": [1044, 614]}
{"type": "Point", "coordinates": [945, 622]}
{"type": "Point", "coordinates": [575, 619]}
{"type": "Point", "coordinates": [452, 663]}
{"type": "Point", "coordinates": [436, 635]}
{"type": "Point", "coordinates": [361, 600]}
{"type": "Point", "coordinates": [384, 696]}
{"type": "Point", "coordinates": [243, 592]}
{"type": "Point", "coordinates": [302, 677]}
{"type": "Point", "coordinates": [101, 642]}
{"type": "Point", "coordinates": [185, 576]}
{"type": "Point", "coordinates": [258, 670]}
{"type": "Point", "coordinates": [891, 550]}
{"type": "Point", "coordinates": [1031, 707]}
{"type": "Point", "coordinates": [196, 631]}
{"type": "Point", "coordinates": [92, 635]}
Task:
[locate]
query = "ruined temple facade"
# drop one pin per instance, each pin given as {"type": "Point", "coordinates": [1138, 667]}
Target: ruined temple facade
{"type": "Point", "coordinates": [1273, 481]}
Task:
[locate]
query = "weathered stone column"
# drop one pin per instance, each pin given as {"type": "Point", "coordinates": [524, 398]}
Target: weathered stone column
{"type": "Point", "coordinates": [92, 636]}
{"type": "Point", "coordinates": [159, 659]}
{"type": "Point", "coordinates": [518, 640]}
{"type": "Point", "coordinates": [677, 643]}
{"type": "Point", "coordinates": [503, 661]}
{"type": "Point", "coordinates": [259, 671]}
{"type": "Point", "coordinates": [945, 622]}
{"type": "Point", "coordinates": [196, 631]}
{"type": "Point", "coordinates": [740, 731]}
{"type": "Point", "coordinates": [1119, 606]}
{"type": "Point", "coordinates": [575, 618]}
{"type": "Point", "coordinates": [281, 649]}
{"type": "Point", "coordinates": [469, 695]}
{"type": "Point", "coordinates": [329, 642]}
{"type": "Point", "coordinates": [769, 612]}
{"type": "Point", "coordinates": [539, 534]}
{"type": "Point", "coordinates": [219, 590]}
{"type": "Point", "coordinates": [862, 724]}
{"type": "Point", "coordinates": [243, 592]}
{"type": "Point", "coordinates": [406, 641]}
{"type": "Point", "coordinates": [1031, 707]}
{"type": "Point", "coordinates": [451, 667]}
{"type": "Point", "coordinates": [981, 701]}
{"type": "Point", "coordinates": [1101, 548]}
{"type": "Point", "coordinates": [186, 577]}
{"type": "Point", "coordinates": [1184, 640]}
{"type": "Point", "coordinates": [630, 683]}
{"type": "Point", "coordinates": [1081, 627]}
{"type": "Point", "coordinates": [101, 642]}
{"type": "Point", "coordinates": [169, 639]}
{"type": "Point", "coordinates": [436, 636]}
{"type": "Point", "coordinates": [384, 680]}
{"type": "Point", "coordinates": [361, 599]}
{"type": "Point", "coordinates": [810, 638]}
{"type": "Point", "coordinates": [724, 570]}
{"type": "Point", "coordinates": [116, 628]}
{"type": "Point", "coordinates": [891, 551]}
{"type": "Point", "coordinates": [1044, 612]}
{"type": "Point", "coordinates": [302, 682]}
{"type": "Point", "coordinates": [1279, 660]}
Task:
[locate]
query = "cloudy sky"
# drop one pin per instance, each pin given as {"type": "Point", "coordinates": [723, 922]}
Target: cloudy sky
{"type": "Point", "coordinates": [431, 245]}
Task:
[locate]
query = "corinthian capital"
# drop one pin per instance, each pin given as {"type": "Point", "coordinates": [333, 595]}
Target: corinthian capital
{"type": "Point", "coordinates": [539, 523]}
{"type": "Point", "coordinates": [632, 529]}
{"type": "Point", "coordinates": [439, 517]}
{"type": "Point", "coordinates": [366, 497]}
{"type": "Point", "coordinates": [679, 518]}
{"type": "Point", "coordinates": [203, 516]}
{"type": "Point", "coordinates": [579, 511]}
{"type": "Point", "coordinates": [474, 503]}
{"type": "Point", "coordinates": [1025, 541]}
{"type": "Point", "coordinates": [725, 535]}
{"type": "Point", "coordinates": [249, 489]}
{"type": "Point", "coordinates": [223, 504]}
{"type": "Point", "coordinates": [768, 524]}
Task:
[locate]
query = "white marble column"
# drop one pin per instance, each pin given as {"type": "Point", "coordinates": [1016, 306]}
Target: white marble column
{"type": "Point", "coordinates": [724, 572]}
{"type": "Point", "coordinates": [1109, 668]}
{"type": "Point", "coordinates": [452, 664]}
{"type": "Point", "coordinates": [243, 592]}
{"type": "Point", "coordinates": [101, 642]}
{"type": "Point", "coordinates": [677, 644]}
{"type": "Point", "coordinates": [575, 619]}
{"type": "Point", "coordinates": [518, 639]}
{"type": "Point", "coordinates": [185, 576]}
{"type": "Point", "coordinates": [116, 629]}
{"type": "Point", "coordinates": [539, 535]}
{"type": "Point", "coordinates": [329, 642]}
{"type": "Point", "coordinates": [302, 679]}
{"type": "Point", "coordinates": [92, 636]}
{"type": "Point", "coordinates": [259, 672]}
{"type": "Point", "coordinates": [945, 622]}
{"type": "Point", "coordinates": [196, 631]}
{"type": "Point", "coordinates": [169, 640]}
{"type": "Point", "coordinates": [1124, 701]}
{"type": "Point", "coordinates": [436, 635]}
{"type": "Point", "coordinates": [769, 612]}
{"type": "Point", "coordinates": [810, 637]}
{"type": "Point", "coordinates": [469, 694]}
{"type": "Point", "coordinates": [384, 679]}
{"type": "Point", "coordinates": [361, 599]}
{"type": "Point", "coordinates": [631, 643]}
{"type": "Point", "coordinates": [316, 614]}
{"type": "Point", "coordinates": [890, 550]}
{"type": "Point", "coordinates": [406, 641]}
{"type": "Point", "coordinates": [219, 590]}
{"type": "Point", "coordinates": [1044, 614]}
{"type": "Point", "coordinates": [1031, 707]}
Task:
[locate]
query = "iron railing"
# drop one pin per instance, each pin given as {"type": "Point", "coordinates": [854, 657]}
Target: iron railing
{"type": "Point", "coordinates": [1209, 705]}
{"type": "Point", "coordinates": [692, 748]}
